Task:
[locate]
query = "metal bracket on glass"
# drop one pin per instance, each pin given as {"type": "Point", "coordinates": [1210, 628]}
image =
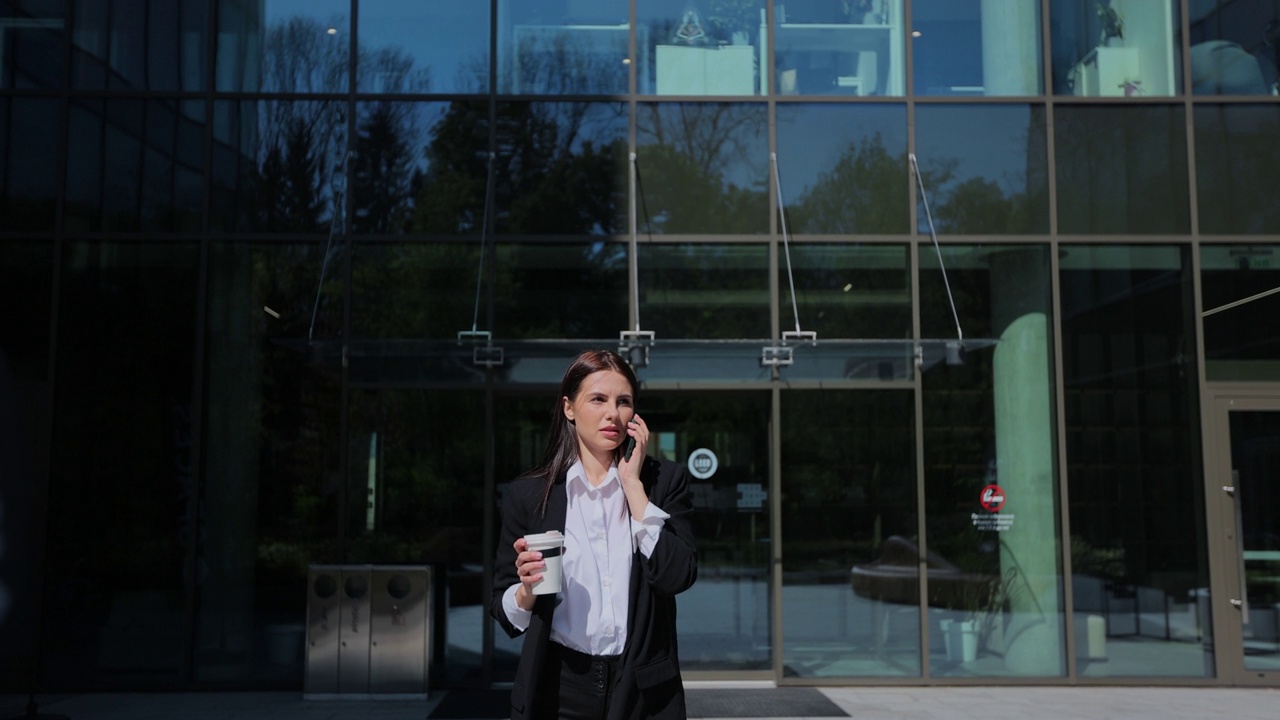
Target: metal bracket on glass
{"type": "Point", "coordinates": [486, 355]}
{"type": "Point", "coordinates": [919, 354]}
{"type": "Point", "coordinates": [634, 346]}
{"type": "Point", "coordinates": [776, 356]}
{"type": "Point", "coordinates": [782, 355]}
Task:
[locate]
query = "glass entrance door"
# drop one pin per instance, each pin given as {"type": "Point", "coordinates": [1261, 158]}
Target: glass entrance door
{"type": "Point", "coordinates": [1248, 486]}
{"type": "Point", "coordinates": [722, 438]}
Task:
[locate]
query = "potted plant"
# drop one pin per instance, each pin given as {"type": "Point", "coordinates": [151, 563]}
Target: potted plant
{"type": "Point", "coordinates": [1112, 24]}
{"type": "Point", "coordinates": [978, 605]}
{"type": "Point", "coordinates": [734, 20]}
{"type": "Point", "coordinates": [862, 12]}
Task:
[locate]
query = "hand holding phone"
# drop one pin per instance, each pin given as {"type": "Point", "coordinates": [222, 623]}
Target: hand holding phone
{"type": "Point", "coordinates": [630, 445]}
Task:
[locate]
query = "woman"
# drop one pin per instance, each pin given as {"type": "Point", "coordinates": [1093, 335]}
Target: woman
{"type": "Point", "coordinates": [604, 647]}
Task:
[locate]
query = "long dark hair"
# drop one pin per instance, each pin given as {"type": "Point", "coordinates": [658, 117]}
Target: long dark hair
{"type": "Point", "coordinates": [562, 440]}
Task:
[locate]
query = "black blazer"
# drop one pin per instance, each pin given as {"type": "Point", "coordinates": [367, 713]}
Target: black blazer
{"type": "Point", "coordinates": [649, 684]}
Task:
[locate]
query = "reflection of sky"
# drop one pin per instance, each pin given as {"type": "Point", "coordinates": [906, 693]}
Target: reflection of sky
{"type": "Point", "coordinates": [448, 36]}
{"type": "Point", "coordinates": [323, 10]}
{"type": "Point", "coordinates": [986, 141]}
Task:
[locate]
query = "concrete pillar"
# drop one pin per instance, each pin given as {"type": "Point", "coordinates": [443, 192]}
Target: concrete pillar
{"type": "Point", "coordinates": [1022, 388]}
{"type": "Point", "coordinates": [1010, 53]}
{"type": "Point", "coordinates": [1024, 467]}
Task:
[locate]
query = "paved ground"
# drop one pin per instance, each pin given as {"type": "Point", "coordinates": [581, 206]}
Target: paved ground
{"type": "Point", "coordinates": [878, 703]}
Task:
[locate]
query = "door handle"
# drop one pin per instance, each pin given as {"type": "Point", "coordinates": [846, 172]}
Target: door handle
{"type": "Point", "coordinates": [1243, 602]}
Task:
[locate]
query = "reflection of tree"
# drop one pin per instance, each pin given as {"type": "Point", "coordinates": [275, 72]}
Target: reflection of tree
{"type": "Point", "coordinates": [558, 61]}
{"type": "Point", "coordinates": [382, 170]}
{"type": "Point", "coordinates": [687, 154]}
{"type": "Point", "coordinates": [548, 177]}
{"type": "Point", "coordinates": [978, 205]}
{"type": "Point", "coordinates": [864, 192]}
{"type": "Point", "coordinates": [299, 56]}
{"type": "Point", "coordinates": [287, 196]}
{"type": "Point", "coordinates": [450, 198]}
{"type": "Point", "coordinates": [390, 70]}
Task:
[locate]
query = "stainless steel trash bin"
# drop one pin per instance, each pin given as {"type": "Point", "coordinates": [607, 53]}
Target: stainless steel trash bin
{"type": "Point", "coordinates": [400, 637]}
{"type": "Point", "coordinates": [353, 630]}
{"type": "Point", "coordinates": [368, 630]}
{"type": "Point", "coordinates": [322, 629]}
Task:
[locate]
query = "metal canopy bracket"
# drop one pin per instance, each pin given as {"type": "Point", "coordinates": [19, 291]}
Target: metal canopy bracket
{"type": "Point", "coordinates": [783, 354]}
{"type": "Point", "coordinates": [486, 355]}
{"type": "Point", "coordinates": [634, 346]}
{"type": "Point", "coordinates": [776, 356]}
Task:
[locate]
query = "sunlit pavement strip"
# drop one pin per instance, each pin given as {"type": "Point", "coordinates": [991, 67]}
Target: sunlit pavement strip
{"type": "Point", "coordinates": [861, 703]}
{"type": "Point", "coordinates": [1056, 703]}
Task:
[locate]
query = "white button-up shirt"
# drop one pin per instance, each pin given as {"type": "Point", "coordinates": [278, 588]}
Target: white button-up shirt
{"type": "Point", "coordinates": [600, 537]}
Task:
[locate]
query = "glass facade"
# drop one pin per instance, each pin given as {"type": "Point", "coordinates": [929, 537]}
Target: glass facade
{"type": "Point", "coordinates": [953, 291]}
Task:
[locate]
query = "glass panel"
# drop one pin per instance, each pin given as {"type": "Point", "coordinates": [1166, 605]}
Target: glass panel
{"type": "Point", "coordinates": [995, 590]}
{"type": "Point", "coordinates": [420, 47]}
{"type": "Point", "coordinates": [390, 162]}
{"type": "Point", "coordinates": [1138, 549]}
{"type": "Point", "coordinates": [280, 165]}
{"type": "Point", "coordinates": [298, 46]}
{"type": "Point", "coordinates": [139, 44]}
{"type": "Point", "coordinates": [421, 290]}
{"type": "Point", "coordinates": [849, 291]}
{"type": "Point", "coordinates": [702, 168]}
{"type": "Point", "coordinates": [121, 530]}
{"type": "Point", "coordinates": [844, 48]}
{"type": "Point", "coordinates": [1237, 151]}
{"type": "Point", "coordinates": [1235, 47]}
{"type": "Point", "coordinates": [1239, 286]}
{"type": "Point", "coordinates": [269, 497]}
{"type": "Point", "coordinates": [561, 168]}
{"type": "Point", "coordinates": [707, 48]}
{"type": "Point", "coordinates": [541, 291]}
{"type": "Point", "coordinates": [564, 47]}
{"type": "Point", "coordinates": [985, 168]}
{"type": "Point", "coordinates": [423, 169]}
{"type": "Point", "coordinates": [26, 282]}
{"type": "Point", "coordinates": [723, 621]}
{"type": "Point", "coordinates": [704, 291]}
{"type": "Point", "coordinates": [1255, 438]}
{"type": "Point", "coordinates": [1116, 48]}
{"type": "Point", "coordinates": [1122, 170]}
{"type": "Point", "coordinates": [136, 165]}
{"type": "Point", "coordinates": [704, 361]}
{"type": "Point", "coordinates": [844, 168]}
{"type": "Point", "coordinates": [850, 583]}
{"type": "Point", "coordinates": [31, 34]}
{"type": "Point", "coordinates": [976, 47]}
{"type": "Point", "coordinates": [561, 291]}
{"type": "Point", "coordinates": [28, 166]}
{"type": "Point", "coordinates": [418, 457]}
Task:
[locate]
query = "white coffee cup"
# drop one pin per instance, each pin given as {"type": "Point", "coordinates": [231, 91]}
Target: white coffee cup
{"type": "Point", "coordinates": [551, 545]}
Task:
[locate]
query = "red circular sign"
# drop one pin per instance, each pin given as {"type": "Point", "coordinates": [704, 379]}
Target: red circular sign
{"type": "Point", "coordinates": [992, 498]}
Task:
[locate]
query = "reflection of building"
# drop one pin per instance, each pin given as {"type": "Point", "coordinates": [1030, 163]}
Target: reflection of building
{"type": "Point", "coordinates": [233, 253]}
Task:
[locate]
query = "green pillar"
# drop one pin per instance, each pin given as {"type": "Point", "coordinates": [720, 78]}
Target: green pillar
{"type": "Point", "coordinates": [1025, 471]}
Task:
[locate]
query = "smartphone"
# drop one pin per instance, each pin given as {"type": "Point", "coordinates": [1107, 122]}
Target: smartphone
{"type": "Point", "coordinates": [629, 447]}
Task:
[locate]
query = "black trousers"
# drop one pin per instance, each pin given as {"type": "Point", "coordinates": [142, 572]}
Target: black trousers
{"type": "Point", "coordinates": [576, 686]}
